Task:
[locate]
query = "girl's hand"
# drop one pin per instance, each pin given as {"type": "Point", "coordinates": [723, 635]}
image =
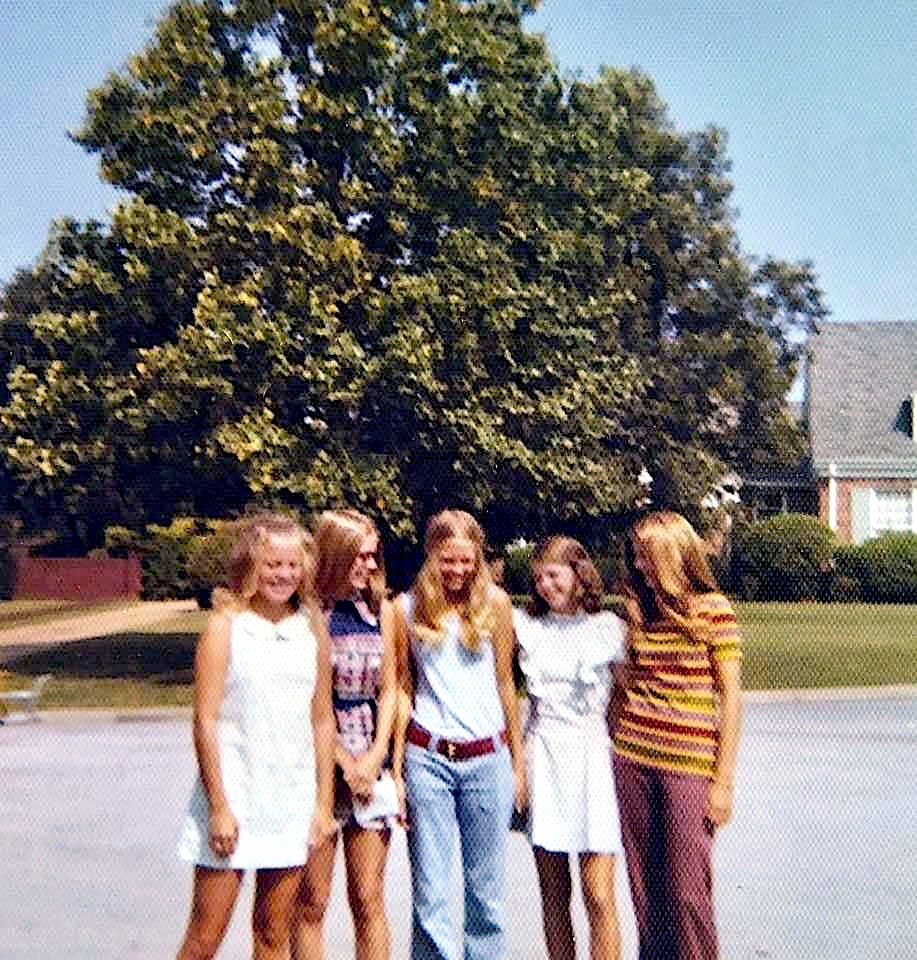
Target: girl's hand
{"type": "Point", "coordinates": [719, 803]}
{"type": "Point", "coordinates": [223, 832]}
{"type": "Point", "coordinates": [402, 801]}
{"type": "Point", "coordinates": [322, 826]}
{"type": "Point", "coordinates": [520, 789]}
{"type": "Point", "coordinates": [364, 773]}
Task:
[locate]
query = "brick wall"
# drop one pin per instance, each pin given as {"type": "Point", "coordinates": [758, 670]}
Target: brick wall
{"type": "Point", "coordinates": [76, 578]}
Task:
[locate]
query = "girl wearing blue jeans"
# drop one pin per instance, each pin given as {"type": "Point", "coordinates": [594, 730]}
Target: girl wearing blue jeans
{"type": "Point", "coordinates": [458, 750]}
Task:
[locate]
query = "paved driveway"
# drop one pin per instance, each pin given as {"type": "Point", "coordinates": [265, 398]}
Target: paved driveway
{"type": "Point", "coordinates": [821, 861]}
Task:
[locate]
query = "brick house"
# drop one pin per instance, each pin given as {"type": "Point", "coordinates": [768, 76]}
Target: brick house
{"type": "Point", "coordinates": [861, 408]}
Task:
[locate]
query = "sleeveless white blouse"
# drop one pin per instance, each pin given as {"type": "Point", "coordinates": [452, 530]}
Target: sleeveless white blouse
{"type": "Point", "coordinates": [267, 754]}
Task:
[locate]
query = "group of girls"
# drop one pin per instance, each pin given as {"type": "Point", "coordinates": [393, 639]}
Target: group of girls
{"type": "Point", "coordinates": [323, 710]}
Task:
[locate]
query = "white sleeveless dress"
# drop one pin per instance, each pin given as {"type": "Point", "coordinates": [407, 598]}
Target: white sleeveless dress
{"type": "Point", "coordinates": [267, 754]}
{"type": "Point", "coordinates": [567, 665]}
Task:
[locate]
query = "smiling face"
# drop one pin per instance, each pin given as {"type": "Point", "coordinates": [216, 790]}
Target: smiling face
{"type": "Point", "coordinates": [557, 585]}
{"type": "Point", "coordinates": [457, 562]}
{"type": "Point", "coordinates": [279, 571]}
{"type": "Point", "coordinates": [365, 563]}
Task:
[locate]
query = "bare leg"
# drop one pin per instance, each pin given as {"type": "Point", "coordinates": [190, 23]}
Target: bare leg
{"type": "Point", "coordinates": [311, 901]}
{"type": "Point", "coordinates": [275, 894]}
{"type": "Point", "coordinates": [597, 873]}
{"type": "Point", "coordinates": [366, 852]}
{"type": "Point", "coordinates": [555, 883]}
{"type": "Point", "coordinates": [212, 901]}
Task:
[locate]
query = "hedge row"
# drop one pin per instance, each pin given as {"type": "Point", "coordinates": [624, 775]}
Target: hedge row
{"type": "Point", "coordinates": [185, 559]}
{"type": "Point", "coordinates": [797, 557]}
{"type": "Point", "coordinates": [788, 557]}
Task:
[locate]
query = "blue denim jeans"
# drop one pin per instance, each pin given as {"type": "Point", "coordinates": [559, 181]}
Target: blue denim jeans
{"type": "Point", "coordinates": [473, 798]}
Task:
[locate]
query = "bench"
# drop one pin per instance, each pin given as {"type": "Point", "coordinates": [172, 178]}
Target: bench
{"type": "Point", "coordinates": [25, 699]}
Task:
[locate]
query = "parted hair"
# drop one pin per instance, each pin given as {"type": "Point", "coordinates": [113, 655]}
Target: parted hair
{"type": "Point", "coordinates": [570, 552]}
{"type": "Point", "coordinates": [476, 609]}
{"type": "Point", "coordinates": [339, 534]}
{"type": "Point", "coordinates": [253, 535]}
{"type": "Point", "coordinates": [676, 573]}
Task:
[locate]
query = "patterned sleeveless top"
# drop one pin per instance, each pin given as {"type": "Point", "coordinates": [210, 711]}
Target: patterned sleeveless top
{"type": "Point", "coordinates": [356, 658]}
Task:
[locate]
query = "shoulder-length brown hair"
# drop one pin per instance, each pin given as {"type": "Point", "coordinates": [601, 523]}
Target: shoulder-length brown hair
{"type": "Point", "coordinates": [675, 572]}
{"type": "Point", "coordinates": [253, 535]}
{"type": "Point", "coordinates": [339, 534]}
{"type": "Point", "coordinates": [430, 606]}
{"type": "Point", "coordinates": [571, 553]}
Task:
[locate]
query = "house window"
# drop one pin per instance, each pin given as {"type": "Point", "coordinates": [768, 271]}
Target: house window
{"type": "Point", "coordinates": [877, 511]}
{"type": "Point", "coordinates": [891, 511]}
{"type": "Point", "coordinates": [768, 503]}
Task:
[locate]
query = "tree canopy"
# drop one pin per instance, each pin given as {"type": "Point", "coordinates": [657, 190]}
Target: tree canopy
{"type": "Point", "coordinates": [384, 254]}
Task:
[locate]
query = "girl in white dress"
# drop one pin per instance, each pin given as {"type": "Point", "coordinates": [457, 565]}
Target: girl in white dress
{"type": "Point", "coordinates": [264, 737]}
{"type": "Point", "coordinates": [566, 651]}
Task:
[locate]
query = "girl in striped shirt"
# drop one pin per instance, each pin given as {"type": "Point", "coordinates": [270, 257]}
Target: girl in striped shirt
{"type": "Point", "coordinates": [676, 734]}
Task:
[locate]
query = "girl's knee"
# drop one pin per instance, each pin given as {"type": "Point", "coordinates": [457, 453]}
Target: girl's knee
{"type": "Point", "coordinates": [366, 902]}
{"type": "Point", "coordinates": [200, 945]}
{"type": "Point", "coordinates": [311, 902]}
{"type": "Point", "coordinates": [599, 898]}
{"type": "Point", "coordinates": [269, 933]}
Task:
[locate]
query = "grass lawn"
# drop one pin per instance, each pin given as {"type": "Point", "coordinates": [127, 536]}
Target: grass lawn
{"type": "Point", "coordinates": [828, 644]}
{"type": "Point", "coordinates": [786, 646]}
{"type": "Point", "coordinates": [23, 613]}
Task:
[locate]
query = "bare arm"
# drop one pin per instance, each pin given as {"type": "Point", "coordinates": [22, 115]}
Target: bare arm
{"type": "Point", "coordinates": [324, 734]}
{"type": "Point", "coordinates": [404, 692]}
{"type": "Point", "coordinates": [211, 663]}
{"type": "Point", "coordinates": [727, 677]}
{"type": "Point", "coordinates": [367, 766]}
{"type": "Point", "coordinates": [503, 641]}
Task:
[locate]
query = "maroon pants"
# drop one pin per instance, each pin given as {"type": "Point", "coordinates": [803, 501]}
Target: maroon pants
{"type": "Point", "coordinates": [668, 846]}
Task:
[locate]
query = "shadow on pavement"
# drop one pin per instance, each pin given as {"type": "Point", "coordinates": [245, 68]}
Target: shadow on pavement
{"type": "Point", "coordinates": [158, 658]}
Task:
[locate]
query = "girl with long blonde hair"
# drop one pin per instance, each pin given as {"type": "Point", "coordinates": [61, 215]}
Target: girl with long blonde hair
{"type": "Point", "coordinates": [676, 734]}
{"type": "Point", "coordinates": [262, 732]}
{"type": "Point", "coordinates": [350, 582]}
{"type": "Point", "coordinates": [568, 647]}
{"type": "Point", "coordinates": [458, 713]}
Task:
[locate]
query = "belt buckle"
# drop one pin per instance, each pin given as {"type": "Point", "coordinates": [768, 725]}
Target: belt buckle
{"type": "Point", "coordinates": [450, 749]}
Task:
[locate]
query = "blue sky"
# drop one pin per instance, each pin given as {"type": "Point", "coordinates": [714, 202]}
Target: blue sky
{"type": "Point", "coordinates": [819, 99]}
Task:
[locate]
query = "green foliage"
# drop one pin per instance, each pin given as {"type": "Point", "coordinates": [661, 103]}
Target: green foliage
{"type": "Point", "coordinates": [385, 255]}
{"type": "Point", "coordinates": [517, 567]}
{"type": "Point", "coordinates": [888, 568]}
{"type": "Point", "coordinates": [164, 553]}
{"type": "Point", "coordinates": [787, 557]}
{"type": "Point", "coordinates": [207, 560]}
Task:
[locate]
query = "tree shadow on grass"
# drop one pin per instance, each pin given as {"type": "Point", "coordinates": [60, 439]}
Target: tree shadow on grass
{"type": "Point", "coordinates": [166, 658]}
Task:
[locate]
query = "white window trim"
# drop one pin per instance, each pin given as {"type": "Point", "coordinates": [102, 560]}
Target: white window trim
{"type": "Point", "coordinates": [874, 511]}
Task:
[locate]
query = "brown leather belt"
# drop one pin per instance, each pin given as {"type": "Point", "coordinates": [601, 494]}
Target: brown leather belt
{"type": "Point", "coordinates": [455, 749]}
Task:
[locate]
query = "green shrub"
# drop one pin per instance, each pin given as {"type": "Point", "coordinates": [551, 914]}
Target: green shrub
{"type": "Point", "coordinates": [163, 555]}
{"type": "Point", "coordinates": [888, 568]}
{"type": "Point", "coordinates": [787, 557]}
{"type": "Point", "coordinates": [208, 556]}
{"type": "Point", "coordinates": [517, 567]}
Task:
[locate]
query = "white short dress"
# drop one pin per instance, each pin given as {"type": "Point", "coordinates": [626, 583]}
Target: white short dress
{"type": "Point", "coordinates": [567, 665]}
{"type": "Point", "coordinates": [267, 755]}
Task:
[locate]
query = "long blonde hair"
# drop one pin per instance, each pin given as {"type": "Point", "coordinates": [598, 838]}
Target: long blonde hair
{"type": "Point", "coordinates": [254, 532]}
{"type": "Point", "coordinates": [677, 572]}
{"type": "Point", "coordinates": [339, 534]}
{"type": "Point", "coordinates": [476, 611]}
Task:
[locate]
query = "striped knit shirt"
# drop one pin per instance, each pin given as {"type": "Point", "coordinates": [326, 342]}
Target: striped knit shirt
{"type": "Point", "coordinates": [669, 717]}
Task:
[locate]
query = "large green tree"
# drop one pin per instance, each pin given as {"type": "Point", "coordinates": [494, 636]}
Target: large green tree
{"type": "Point", "coordinates": [384, 254]}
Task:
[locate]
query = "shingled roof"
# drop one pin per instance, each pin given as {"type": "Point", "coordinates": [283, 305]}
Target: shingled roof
{"type": "Point", "coordinates": [862, 378]}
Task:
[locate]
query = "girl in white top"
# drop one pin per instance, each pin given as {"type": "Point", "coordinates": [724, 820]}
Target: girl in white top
{"type": "Point", "coordinates": [264, 737]}
{"type": "Point", "coordinates": [567, 648]}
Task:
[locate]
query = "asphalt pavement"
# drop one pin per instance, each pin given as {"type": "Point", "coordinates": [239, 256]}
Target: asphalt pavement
{"type": "Point", "coordinates": [819, 862]}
